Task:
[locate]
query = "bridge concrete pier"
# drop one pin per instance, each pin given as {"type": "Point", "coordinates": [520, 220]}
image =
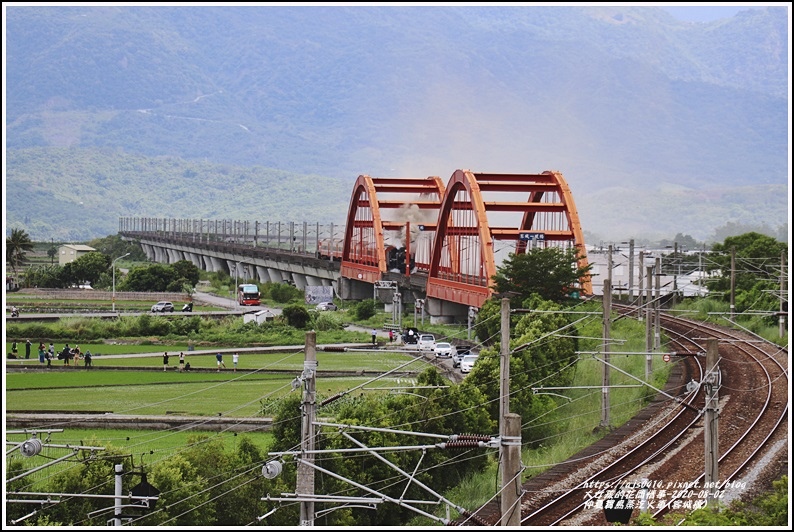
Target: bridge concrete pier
{"type": "Point", "coordinates": [215, 264]}
{"type": "Point", "coordinates": [300, 280]}
{"type": "Point", "coordinates": [351, 289]}
{"type": "Point", "coordinates": [276, 276]}
{"type": "Point", "coordinates": [446, 312]}
{"type": "Point", "coordinates": [262, 274]}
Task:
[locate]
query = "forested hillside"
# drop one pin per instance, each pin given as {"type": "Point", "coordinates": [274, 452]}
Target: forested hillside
{"type": "Point", "coordinates": [625, 101]}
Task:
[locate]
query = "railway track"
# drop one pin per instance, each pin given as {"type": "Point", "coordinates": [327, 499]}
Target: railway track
{"type": "Point", "coordinates": [657, 460]}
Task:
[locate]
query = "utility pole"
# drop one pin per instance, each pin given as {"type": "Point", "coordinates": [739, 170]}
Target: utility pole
{"type": "Point", "coordinates": [676, 267]}
{"type": "Point", "coordinates": [711, 419]}
{"type": "Point", "coordinates": [304, 484]}
{"type": "Point", "coordinates": [648, 310]}
{"type": "Point", "coordinates": [782, 318]}
{"type": "Point", "coordinates": [607, 301]}
{"type": "Point", "coordinates": [509, 432]}
{"type": "Point", "coordinates": [640, 293]}
{"type": "Point", "coordinates": [511, 471]}
{"type": "Point", "coordinates": [504, 371]}
{"type": "Point", "coordinates": [631, 269]}
{"type": "Point", "coordinates": [657, 338]}
{"type": "Point", "coordinates": [117, 501]}
{"type": "Point", "coordinates": [733, 281]}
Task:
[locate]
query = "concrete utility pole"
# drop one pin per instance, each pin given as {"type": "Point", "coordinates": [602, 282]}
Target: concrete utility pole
{"type": "Point", "coordinates": [631, 269]}
{"type": "Point", "coordinates": [304, 485]}
{"type": "Point", "coordinates": [640, 293]}
{"type": "Point", "coordinates": [649, 311]}
{"type": "Point", "coordinates": [711, 381]}
{"type": "Point", "coordinates": [607, 301]}
{"type": "Point", "coordinates": [782, 318]}
{"type": "Point", "coordinates": [511, 471]}
{"type": "Point", "coordinates": [733, 281]}
{"type": "Point", "coordinates": [504, 371]}
{"type": "Point", "coordinates": [657, 333]}
{"type": "Point", "coordinates": [117, 501]}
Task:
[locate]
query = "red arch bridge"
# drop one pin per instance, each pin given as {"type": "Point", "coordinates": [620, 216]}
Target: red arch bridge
{"type": "Point", "coordinates": [410, 241]}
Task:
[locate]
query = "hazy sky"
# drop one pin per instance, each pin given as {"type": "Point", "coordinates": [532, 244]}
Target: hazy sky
{"type": "Point", "coordinates": [706, 12]}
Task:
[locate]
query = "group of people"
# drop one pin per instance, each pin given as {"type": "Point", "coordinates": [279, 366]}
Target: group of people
{"type": "Point", "coordinates": [48, 354]}
{"type": "Point", "coordinates": [69, 354]}
{"type": "Point", "coordinates": [221, 364]}
{"type": "Point", "coordinates": [185, 366]}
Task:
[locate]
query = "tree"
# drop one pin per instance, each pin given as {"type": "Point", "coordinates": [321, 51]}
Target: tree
{"type": "Point", "coordinates": [149, 278]}
{"type": "Point", "coordinates": [536, 358]}
{"type": "Point", "coordinates": [187, 272]}
{"type": "Point", "coordinates": [757, 271]}
{"type": "Point", "coordinates": [297, 316]}
{"type": "Point", "coordinates": [51, 253]}
{"type": "Point", "coordinates": [88, 268]}
{"type": "Point", "coordinates": [16, 247]}
{"type": "Point", "coordinates": [552, 273]}
{"type": "Point", "coordinates": [114, 246]}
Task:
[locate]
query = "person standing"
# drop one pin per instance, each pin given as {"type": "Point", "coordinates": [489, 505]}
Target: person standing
{"type": "Point", "coordinates": [27, 348]}
{"type": "Point", "coordinates": [42, 352]}
{"type": "Point", "coordinates": [235, 360]}
{"type": "Point", "coordinates": [87, 358]}
{"type": "Point", "coordinates": [391, 335]}
{"type": "Point", "coordinates": [374, 336]}
{"type": "Point", "coordinates": [219, 361]}
{"type": "Point", "coordinates": [14, 349]}
{"type": "Point", "coordinates": [165, 361]}
{"type": "Point", "coordinates": [181, 361]}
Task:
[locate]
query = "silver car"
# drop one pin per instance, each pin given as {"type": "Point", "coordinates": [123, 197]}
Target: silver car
{"type": "Point", "coordinates": [163, 306]}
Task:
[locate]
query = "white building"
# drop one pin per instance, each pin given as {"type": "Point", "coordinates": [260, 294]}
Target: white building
{"type": "Point", "coordinates": [70, 252]}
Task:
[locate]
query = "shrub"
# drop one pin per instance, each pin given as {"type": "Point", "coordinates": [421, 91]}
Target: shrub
{"type": "Point", "coordinates": [365, 309]}
{"type": "Point", "coordinates": [296, 315]}
{"type": "Point", "coordinates": [282, 292]}
{"type": "Point", "coordinates": [327, 321]}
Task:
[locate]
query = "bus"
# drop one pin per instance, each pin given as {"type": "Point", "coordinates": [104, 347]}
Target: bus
{"type": "Point", "coordinates": [248, 294]}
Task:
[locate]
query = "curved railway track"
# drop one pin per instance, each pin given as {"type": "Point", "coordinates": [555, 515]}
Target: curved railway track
{"type": "Point", "coordinates": [664, 445]}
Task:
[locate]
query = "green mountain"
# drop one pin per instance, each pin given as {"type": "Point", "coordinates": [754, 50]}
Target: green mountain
{"type": "Point", "coordinates": [267, 112]}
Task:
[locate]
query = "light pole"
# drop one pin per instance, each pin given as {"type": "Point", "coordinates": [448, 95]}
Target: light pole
{"type": "Point", "coordinates": [113, 267]}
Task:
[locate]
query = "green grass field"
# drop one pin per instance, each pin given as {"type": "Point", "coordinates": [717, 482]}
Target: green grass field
{"type": "Point", "coordinates": [239, 394]}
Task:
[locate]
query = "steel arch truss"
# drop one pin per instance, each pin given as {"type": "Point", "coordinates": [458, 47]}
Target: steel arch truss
{"type": "Point", "coordinates": [483, 217]}
{"type": "Point", "coordinates": [386, 215]}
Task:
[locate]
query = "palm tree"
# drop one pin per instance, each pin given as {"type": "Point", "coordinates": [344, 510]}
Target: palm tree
{"type": "Point", "coordinates": [16, 246]}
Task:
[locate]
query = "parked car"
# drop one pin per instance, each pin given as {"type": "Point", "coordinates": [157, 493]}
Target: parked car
{"type": "Point", "coordinates": [468, 362]}
{"type": "Point", "coordinates": [327, 305]}
{"type": "Point", "coordinates": [445, 350]}
{"type": "Point", "coordinates": [163, 306]}
{"type": "Point", "coordinates": [427, 342]}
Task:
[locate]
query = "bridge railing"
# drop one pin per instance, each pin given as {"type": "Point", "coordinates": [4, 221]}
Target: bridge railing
{"type": "Point", "coordinates": [296, 237]}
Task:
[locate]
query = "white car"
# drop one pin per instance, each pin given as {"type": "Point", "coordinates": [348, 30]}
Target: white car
{"type": "Point", "coordinates": [445, 350]}
{"type": "Point", "coordinates": [427, 342]}
{"type": "Point", "coordinates": [326, 305]}
{"type": "Point", "coordinates": [163, 306]}
{"type": "Point", "coordinates": [468, 362]}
